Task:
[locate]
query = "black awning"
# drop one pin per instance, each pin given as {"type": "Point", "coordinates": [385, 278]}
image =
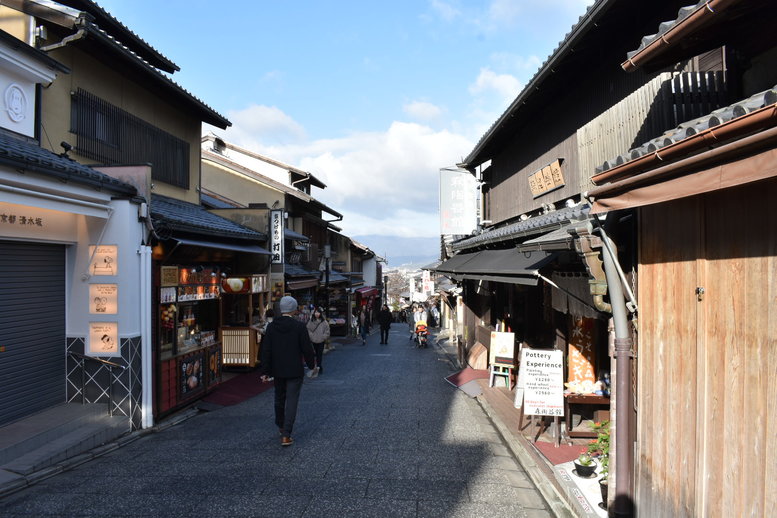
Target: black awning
{"type": "Point", "coordinates": [455, 263]}
{"type": "Point", "coordinates": [235, 247]}
{"type": "Point", "coordinates": [508, 266]}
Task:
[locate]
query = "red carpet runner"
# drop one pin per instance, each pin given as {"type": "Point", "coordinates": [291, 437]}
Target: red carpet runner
{"type": "Point", "coordinates": [238, 389]}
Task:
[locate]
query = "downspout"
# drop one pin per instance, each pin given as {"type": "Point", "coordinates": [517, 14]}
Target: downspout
{"type": "Point", "coordinates": [606, 274]}
{"type": "Point", "coordinates": [80, 34]}
{"type": "Point", "coordinates": [147, 389]}
{"type": "Point", "coordinates": [624, 503]}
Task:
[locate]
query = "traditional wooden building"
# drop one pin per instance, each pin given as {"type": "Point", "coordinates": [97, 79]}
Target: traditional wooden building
{"type": "Point", "coordinates": [669, 167]}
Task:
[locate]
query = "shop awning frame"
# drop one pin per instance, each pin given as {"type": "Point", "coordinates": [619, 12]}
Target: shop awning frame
{"type": "Point", "coordinates": [234, 247]}
{"type": "Point", "coordinates": [509, 266]}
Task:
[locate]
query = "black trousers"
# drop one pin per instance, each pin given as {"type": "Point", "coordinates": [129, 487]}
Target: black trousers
{"type": "Point", "coordinates": [286, 400]}
{"type": "Point", "coordinates": [319, 348]}
{"type": "Point", "coordinates": [384, 332]}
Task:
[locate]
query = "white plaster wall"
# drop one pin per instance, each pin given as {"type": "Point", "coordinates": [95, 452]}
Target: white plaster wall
{"type": "Point", "coordinates": [124, 230]}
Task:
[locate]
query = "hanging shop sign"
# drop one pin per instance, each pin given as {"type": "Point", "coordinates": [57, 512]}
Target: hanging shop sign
{"type": "Point", "coordinates": [103, 339]}
{"type": "Point", "coordinates": [104, 260]}
{"type": "Point", "coordinates": [547, 179]}
{"type": "Point", "coordinates": [276, 236]}
{"type": "Point", "coordinates": [103, 299]}
{"type": "Point", "coordinates": [458, 201]}
{"type": "Point", "coordinates": [542, 373]}
{"type": "Point", "coordinates": [502, 349]}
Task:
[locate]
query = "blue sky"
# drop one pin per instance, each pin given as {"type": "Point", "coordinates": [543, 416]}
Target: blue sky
{"type": "Point", "coordinates": [371, 97]}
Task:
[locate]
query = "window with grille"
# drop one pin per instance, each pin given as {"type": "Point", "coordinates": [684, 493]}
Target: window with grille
{"type": "Point", "coordinates": [113, 136]}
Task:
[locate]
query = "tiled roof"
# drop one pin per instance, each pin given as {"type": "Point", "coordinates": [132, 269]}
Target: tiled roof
{"type": "Point", "coordinates": [187, 217]}
{"type": "Point", "coordinates": [587, 19]}
{"type": "Point", "coordinates": [209, 115]}
{"type": "Point", "coordinates": [24, 155]}
{"type": "Point", "coordinates": [532, 226]}
{"type": "Point", "coordinates": [139, 46]}
{"type": "Point", "coordinates": [683, 13]}
{"type": "Point", "coordinates": [692, 127]}
{"type": "Point", "coordinates": [295, 270]}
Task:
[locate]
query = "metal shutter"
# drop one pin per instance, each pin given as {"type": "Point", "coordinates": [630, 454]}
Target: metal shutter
{"type": "Point", "coordinates": [32, 328]}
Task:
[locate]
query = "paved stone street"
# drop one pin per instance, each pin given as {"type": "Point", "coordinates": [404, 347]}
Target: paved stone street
{"type": "Point", "coordinates": [381, 434]}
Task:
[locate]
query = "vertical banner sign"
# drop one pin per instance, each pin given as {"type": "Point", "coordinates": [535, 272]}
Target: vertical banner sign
{"type": "Point", "coordinates": [543, 377]}
{"type": "Point", "coordinates": [581, 352]}
{"type": "Point", "coordinates": [276, 236]}
{"type": "Point", "coordinates": [458, 202]}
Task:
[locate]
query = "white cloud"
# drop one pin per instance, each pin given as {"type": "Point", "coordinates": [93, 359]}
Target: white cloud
{"type": "Point", "coordinates": [505, 86]}
{"type": "Point", "coordinates": [422, 111]}
{"type": "Point", "coordinates": [382, 182]}
{"type": "Point", "coordinates": [445, 10]}
{"type": "Point", "coordinates": [259, 122]}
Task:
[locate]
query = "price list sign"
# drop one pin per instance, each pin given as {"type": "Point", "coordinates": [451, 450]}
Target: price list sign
{"type": "Point", "coordinates": [543, 376]}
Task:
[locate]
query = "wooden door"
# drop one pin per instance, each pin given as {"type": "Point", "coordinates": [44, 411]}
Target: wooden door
{"type": "Point", "coordinates": [707, 396]}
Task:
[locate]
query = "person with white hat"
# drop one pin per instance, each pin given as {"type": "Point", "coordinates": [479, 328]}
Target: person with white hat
{"type": "Point", "coordinates": [285, 342]}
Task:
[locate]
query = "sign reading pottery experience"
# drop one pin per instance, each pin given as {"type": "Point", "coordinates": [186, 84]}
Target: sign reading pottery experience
{"type": "Point", "coordinates": [103, 299]}
{"type": "Point", "coordinates": [502, 349]}
{"type": "Point", "coordinates": [104, 260]}
{"type": "Point", "coordinates": [103, 339]}
{"type": "Point", "coordinates": [543, 377]}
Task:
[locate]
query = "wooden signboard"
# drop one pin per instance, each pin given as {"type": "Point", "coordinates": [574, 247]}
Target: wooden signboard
{"type": "Point", "coordinates": [546, 179]}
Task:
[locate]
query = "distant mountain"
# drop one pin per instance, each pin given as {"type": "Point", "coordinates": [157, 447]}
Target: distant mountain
{"type": "Point", "coordinates": [403, 251]}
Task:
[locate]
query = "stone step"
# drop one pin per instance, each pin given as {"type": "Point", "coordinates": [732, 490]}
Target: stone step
{"type": "Point", "coordinates": [87, 436]}
{"type": "Point", "coordinates": [38, 430]}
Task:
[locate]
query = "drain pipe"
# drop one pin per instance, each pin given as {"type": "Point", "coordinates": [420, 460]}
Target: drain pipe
{"type": "Point", "coordinates": [623, 503]}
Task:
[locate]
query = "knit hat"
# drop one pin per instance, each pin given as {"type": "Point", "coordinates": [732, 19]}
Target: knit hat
{"type": "Point", "coordinates": [288, 304]}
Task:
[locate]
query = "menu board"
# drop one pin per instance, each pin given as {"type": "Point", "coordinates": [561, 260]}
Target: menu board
{"type": "Point", "coordinates": [502, 349]}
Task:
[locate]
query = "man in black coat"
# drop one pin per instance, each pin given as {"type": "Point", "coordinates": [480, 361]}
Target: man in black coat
{"type": "Point", "coordinates": [384, 319]}
{"type": "Point", "coordinates": [285, 344]}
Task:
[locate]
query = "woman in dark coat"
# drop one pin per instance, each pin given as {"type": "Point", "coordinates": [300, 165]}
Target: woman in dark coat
{"type": "Point", "coordinates": [384, 319]}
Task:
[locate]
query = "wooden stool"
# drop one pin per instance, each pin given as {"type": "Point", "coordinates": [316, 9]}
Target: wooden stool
{"type": "Point", "coordinates": [500, 370]}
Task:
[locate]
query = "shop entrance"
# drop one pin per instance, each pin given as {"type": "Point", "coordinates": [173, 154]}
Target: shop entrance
{"type": "Point", "coordinates": [32, 328]}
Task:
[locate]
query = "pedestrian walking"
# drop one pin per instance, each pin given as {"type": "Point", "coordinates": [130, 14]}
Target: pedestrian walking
{"type": "Point", "coordinates": [318, 330]}
{"type": "Point", "coordinates": [364, 322]}
{"type": "Point", "coordinates": [384, 320]}
{"type": "Point", "coordinates": [286, 343]}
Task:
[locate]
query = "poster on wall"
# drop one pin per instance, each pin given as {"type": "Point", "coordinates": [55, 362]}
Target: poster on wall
{"type": "Point", "coordinates": [104, 260]}
{"type": "Point", "coordinates": [103, 299]}
{"type": "Point", "coordinates": [191, 374]}
{"type": "Point", "coordinates": [169, 276]}
{"type": "Point", "coordinates": [543, 382]}
{"type": "Point", "coordinates": [502, 349]}
{"type": "Point", "coordinates": [103, 339]}
{"type": "Point", "coordinates": [582, 356]}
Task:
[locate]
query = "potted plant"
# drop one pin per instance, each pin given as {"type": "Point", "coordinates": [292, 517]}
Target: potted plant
{"type": "Point", "coordinates": [600, 448]}
{"type": "Point", "coordinates": [585, 465]}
